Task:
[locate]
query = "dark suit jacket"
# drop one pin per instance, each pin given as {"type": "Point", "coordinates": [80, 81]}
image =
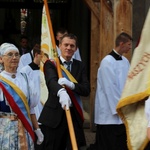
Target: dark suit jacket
{"type": "Point", "coordinates": [52, 111]}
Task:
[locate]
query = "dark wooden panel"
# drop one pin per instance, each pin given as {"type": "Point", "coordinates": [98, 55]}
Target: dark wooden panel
{"type": "Point", "coordinates": [30, 4]}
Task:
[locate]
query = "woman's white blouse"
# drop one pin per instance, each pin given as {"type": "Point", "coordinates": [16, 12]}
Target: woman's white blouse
{"type": "Point", "coordinates": [27, 87]}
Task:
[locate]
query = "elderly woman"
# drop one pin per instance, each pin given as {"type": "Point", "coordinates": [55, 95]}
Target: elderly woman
{"type": "Point", "coordinates": [17, 102]}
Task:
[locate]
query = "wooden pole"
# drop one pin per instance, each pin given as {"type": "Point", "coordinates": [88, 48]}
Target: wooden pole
{"type": "Point", "coordinates": [68, 115]}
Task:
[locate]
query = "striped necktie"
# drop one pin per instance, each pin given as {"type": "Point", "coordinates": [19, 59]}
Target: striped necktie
{"type": "Point", "coordinates": [68, 63]}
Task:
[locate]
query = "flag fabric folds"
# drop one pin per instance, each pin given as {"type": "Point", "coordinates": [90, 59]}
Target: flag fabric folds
{"type": "Point", "coordinates": [47, 49]}
{"type": "Point", "coordinates": [137, 89]}
{"type": "Point", "coordinates": [46, 41]}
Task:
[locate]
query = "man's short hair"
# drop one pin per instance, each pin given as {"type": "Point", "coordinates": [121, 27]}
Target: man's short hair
{"type": "Point", "coordinates": [70, 36]}
{"type": "Point", "coordinates": [61, 30]}
{"type": "Point", "coordinates": [36, 50]}
{"type": "Point", "coordinates": [123, 37]}
{"type": "Point", "coordinates": [23, 37]}
{"type": "Point", "coordinates": [36, 40]}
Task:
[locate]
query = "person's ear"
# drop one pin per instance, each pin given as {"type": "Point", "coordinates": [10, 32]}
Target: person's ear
{"type": "Point", "coordinates": [1, 60]}
{"type": "Point", "coordinates": [57, 38]}
{"type": "Point", "coordinates": [121, 44]}
{"type": "Point", "coordinates": [59, 44]}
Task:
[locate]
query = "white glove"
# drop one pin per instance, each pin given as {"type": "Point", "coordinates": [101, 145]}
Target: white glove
{"type": "Point", "coordinates": [40, 136]}
{"type": "Point", "coordinates": [64, 99]}
{"type": "Point", "coordinates": [64, 81]}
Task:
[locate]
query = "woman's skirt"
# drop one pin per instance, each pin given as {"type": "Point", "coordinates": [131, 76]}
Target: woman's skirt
{"type": "Point", "coordinates": [13, 136]}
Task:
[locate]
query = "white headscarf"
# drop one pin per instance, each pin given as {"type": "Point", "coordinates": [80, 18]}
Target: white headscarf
{"type": "Point", "coordinates": [6, 47]}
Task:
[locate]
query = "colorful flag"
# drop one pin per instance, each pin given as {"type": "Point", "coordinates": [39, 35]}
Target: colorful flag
{"type": "Point", "coordinates": [136, 91]}
{"type": "Point", "coordinates": [48, 52]}
{"type": "Point", "coordinates": [46, 41]}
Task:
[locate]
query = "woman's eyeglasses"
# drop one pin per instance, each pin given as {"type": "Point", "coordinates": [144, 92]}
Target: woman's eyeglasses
{"type": "Point", "coordinates": [12, 55]}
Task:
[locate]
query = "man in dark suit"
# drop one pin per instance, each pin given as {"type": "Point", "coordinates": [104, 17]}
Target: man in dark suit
{"type": "Point", "coordinates": [53, 118]}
